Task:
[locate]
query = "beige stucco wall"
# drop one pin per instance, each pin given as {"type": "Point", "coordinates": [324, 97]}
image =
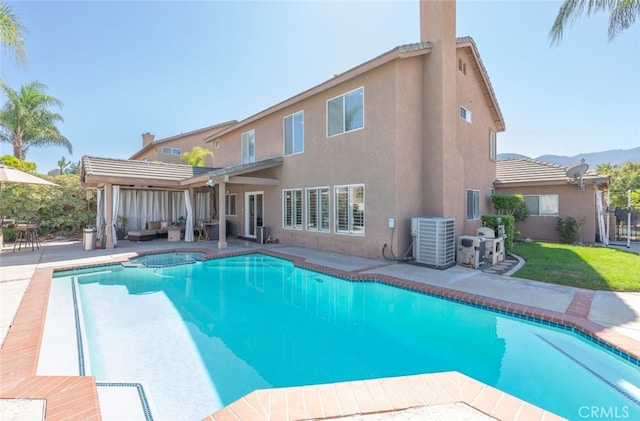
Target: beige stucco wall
{"type": "Point", "coordinates": [580, 205]}
{"type": "Point", "coordinates": [391, 156]}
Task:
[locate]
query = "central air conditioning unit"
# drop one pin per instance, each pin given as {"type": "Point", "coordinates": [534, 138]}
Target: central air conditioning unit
{"type": "Point", "coordinates": [434, 241]}
{"type": "Point", "coordinates": [471, 251]}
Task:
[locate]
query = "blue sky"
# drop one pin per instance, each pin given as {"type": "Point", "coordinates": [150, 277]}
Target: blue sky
{"type": "Point", "coordinates": [124, 68]}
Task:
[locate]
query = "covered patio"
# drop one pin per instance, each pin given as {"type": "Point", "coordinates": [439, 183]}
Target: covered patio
{"type": "Point", "coordinates": [141, 192]}
{"type": "Point", "coordinates": [167, 195]}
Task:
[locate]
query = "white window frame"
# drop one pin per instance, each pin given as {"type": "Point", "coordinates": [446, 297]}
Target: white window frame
{"type": "Point", "coordinates": [297, 135]}
{"type": "Point", "coordinates": [320, 211]}
{"type": "Point", "coordinates": [171, 151]}
{"type": "Point", "coordinates": [352, 227]}
{"type": "Point", "coordinates": [473, 204]}
{"type": "Point", "coordinates": [248, 141]}
{"type": "Point", "coordinates": [466, 115]}
{"type": "Point", "coordinates": [493, 147]}
{"type": "Point", "coordinates": [291, 214]}
{"type": "Point", "coordinates": [550, 205]}
{"type": "Point", "coordinates": [342, 99]}
{"type": "Point", "coordinates": [230, 201]}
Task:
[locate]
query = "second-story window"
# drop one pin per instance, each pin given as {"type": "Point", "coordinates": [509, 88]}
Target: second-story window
{"type": "Point", "coordinates": [248, 140]}
{"type": "Point", "coordinates": [171, 151]}
{"type": "Point", "coordinates": [492, 146]}
{"type": "Point", "coordinates": [294, 133]}
{"type": "Point", "coordinates": [345, 113]}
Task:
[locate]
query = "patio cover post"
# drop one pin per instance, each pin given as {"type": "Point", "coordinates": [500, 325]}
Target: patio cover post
{"type": "Point", "coordinates": [222, 219]}
{"type": "Point", "coordinates": [108, 214]}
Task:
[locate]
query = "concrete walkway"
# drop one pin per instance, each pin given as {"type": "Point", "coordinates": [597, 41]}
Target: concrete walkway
{"type": "Point", "coordinates": [618, 311]}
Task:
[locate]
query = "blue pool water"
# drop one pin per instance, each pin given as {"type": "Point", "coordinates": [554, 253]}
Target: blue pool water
{"type": "Point", "coordinates": [199, 336]}
{"type": "Point", "coordinates": [168, 259]}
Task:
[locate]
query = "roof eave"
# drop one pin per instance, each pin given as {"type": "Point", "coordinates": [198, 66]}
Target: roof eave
{"type": "Point", "coordinates": [401, 52]}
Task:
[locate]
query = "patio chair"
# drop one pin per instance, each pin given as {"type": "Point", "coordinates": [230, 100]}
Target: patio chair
{"type": "Point", "coordinates": [28, 234]}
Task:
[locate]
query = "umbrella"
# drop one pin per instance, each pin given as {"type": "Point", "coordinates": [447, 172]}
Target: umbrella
{"type": "Point", "coordinates": [12, 175]}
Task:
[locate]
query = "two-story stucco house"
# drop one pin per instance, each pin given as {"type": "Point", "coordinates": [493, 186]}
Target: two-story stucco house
{"type": "Point", "coordinates": [345, 165]}
{"type": "Point", "coordinates": [409, 133]}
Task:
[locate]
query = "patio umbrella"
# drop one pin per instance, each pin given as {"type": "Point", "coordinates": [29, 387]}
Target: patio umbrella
{"type": "Point", "coordinates": [12, 175]}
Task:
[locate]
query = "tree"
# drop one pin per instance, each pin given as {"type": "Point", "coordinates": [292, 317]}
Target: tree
{"type": "Point", "coordinates": [622, 14]}
{"type": "Point", "coordinates": [27, 120]}
{"type": "Point", "coordinates": [11, 33]}
{"type": "Point", "coordinates": [604, 169]}
{"type": "Point", "coordinates": [62, 164]}
{"type": "Point", "coordinates": [623, 178]}
{"type": "Point", "coordinates": [511, 204]}
{"type": "Point", "coordinates": [196, 157]}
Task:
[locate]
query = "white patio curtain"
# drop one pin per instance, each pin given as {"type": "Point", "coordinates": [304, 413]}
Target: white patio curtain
{"type": "Point", "coordinates": [203, 206]}
{"type": "Point", "coordinates": [114, 216]}
{"type": "Point", "coordinates": [142, 206]}
{"type": "Point", "coordinates": [188, 229]}
{"type": "Point", "coordinates": [100, 212]}
{"type": "Point", "coordinates": [178, 208]}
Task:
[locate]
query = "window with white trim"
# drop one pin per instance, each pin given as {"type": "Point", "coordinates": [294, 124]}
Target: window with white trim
{"type": "Point", "coordinates": [216, 144]}
{"type": "Point", "coordinates": [248, 140]}
{"type": "Point", "coordinates": [345, 113]}
{"type": "Point", "coordinates": [492, 146]}
{"type": "Point", "coordinates": [465, 114]}
{"type": "Point", "coordinates": [294, 133]}
{"type": "Point", "coordinates": [292, 208]}
{"type": "Point", "coordinates": [318, 209]}
{"type": "Point", "coordinates": [230, 204]}
{"type": "Point", "coordinates": [543, 204]}
{"type": "Point", "coordinates": [473, 204]}
{"type": "Point", "coordinates": [171, 151]}
{"type": "Point", "coordinates": [349, 209]}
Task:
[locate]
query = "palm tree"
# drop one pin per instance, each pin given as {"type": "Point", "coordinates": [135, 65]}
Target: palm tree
{"type": "Point", "coordinates": [11, 33]}
{"type": "Point", "coordinates": [196, 157]}
{"type": "Point", "coordinates": [62, 164]}
{"type": "Point", "coordinates": [604, 168]}
{"type": "Point", "coordinates": [623, 14]}
{"type": "Point", "coordinates": [27, 121]}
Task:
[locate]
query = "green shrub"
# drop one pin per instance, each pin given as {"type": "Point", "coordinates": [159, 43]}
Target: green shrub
{"type": "Point", "coordinates": [569, 229]}
{"type": "Point", "coordinates": [511, 204]}
{"type": "Point", "coordinates": [64, 208]}
{"type": "Point", "coordinates": [9, 234]}
{"type": "Point", "coordinates": [508, 221]}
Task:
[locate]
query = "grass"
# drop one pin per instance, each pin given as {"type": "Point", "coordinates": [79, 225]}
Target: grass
{"type": "Point", "coordinates": [580, 266]}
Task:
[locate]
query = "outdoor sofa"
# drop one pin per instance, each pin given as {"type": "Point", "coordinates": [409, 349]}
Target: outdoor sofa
{"type": "Point", "coordinates": [155, 229]}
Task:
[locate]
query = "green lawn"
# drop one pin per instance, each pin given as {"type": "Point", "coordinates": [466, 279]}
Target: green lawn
{"type": "Point", "coordinates": [580, 266]}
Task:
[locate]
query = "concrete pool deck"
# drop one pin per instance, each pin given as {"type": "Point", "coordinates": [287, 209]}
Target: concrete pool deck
{"type": "Point", "coordinates": [25, 277]}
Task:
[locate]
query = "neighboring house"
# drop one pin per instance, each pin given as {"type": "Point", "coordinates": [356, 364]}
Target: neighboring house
{"type": "Point", "coordinates": [345, 165]}
{"type": "Point", "coordinates": [170, 149]}
{"type": "Point", "coordinates": [550, 194]}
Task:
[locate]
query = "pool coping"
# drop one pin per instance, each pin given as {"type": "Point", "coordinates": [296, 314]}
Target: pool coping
{"type": "Point", "coordinates": [75, 396]}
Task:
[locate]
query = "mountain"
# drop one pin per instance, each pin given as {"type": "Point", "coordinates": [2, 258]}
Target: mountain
{"type": "Point", "coordinates": [612, 156]}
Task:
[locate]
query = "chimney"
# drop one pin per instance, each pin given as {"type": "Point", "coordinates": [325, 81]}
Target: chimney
{"type": "Point", "coordinates": [438, 21]}
{"type": "Point", "coordinates": [147, 139]}
{"type": "Point", "coordinates": [438, 26]}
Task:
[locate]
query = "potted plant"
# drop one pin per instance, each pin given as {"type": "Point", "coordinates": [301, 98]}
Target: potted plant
{"type": "Point", "coordinates": [122, 227]}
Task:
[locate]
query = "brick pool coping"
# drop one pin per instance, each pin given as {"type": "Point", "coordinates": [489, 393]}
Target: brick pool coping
{"type": "Point", "coordinates": [76, 397]}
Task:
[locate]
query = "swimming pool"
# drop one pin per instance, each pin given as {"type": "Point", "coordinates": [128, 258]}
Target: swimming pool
{"type": "Point", "coordinates": [166, 259]}
{"type": "Point", "coordinates": [201, 335]}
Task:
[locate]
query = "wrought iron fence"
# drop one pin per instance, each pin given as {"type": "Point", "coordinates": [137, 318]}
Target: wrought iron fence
{"type": "Point", "coordinates": [623, 230]}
